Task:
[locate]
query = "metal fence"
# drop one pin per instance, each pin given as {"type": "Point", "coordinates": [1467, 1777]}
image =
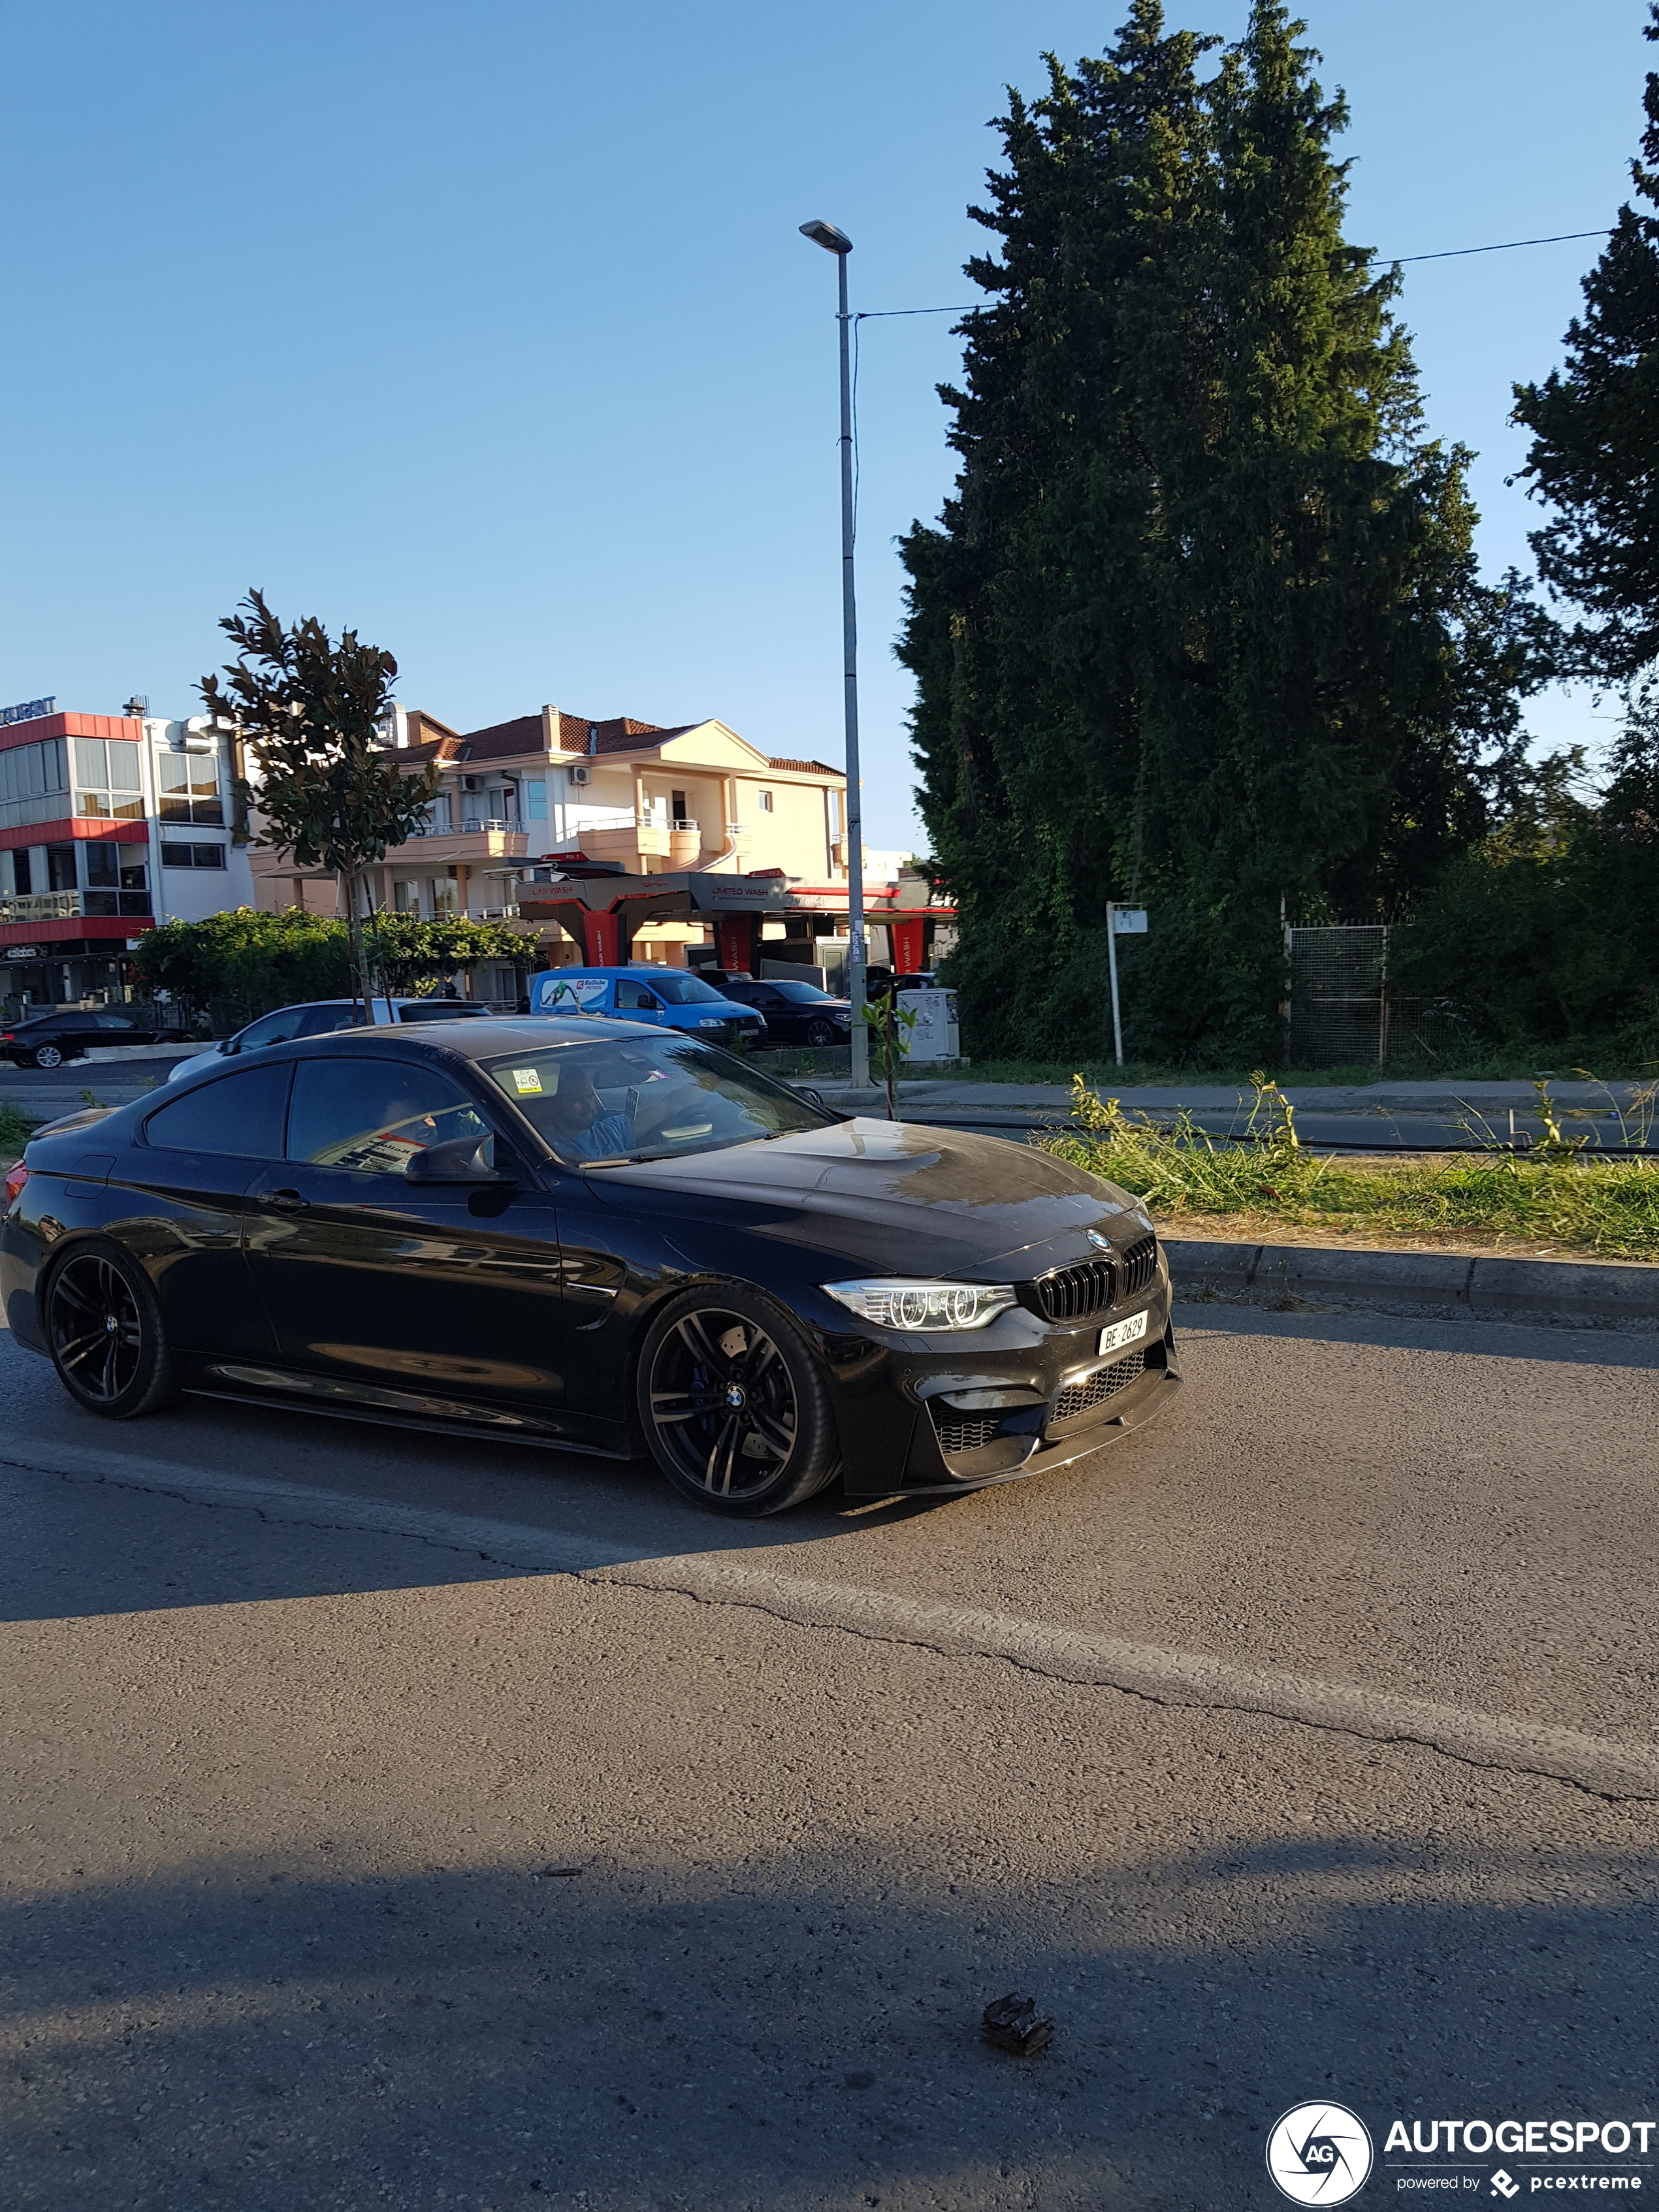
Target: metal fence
{"type": "Point", "coordinates": [1341, 1009]}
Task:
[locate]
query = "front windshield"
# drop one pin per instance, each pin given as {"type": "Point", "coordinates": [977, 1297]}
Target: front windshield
{"type": "Point", "coordinates": [607, 1101]}
{"type": "Point", "coordinates": [681, 990]}
{"type": "Point", "coordinates": [801, 993]}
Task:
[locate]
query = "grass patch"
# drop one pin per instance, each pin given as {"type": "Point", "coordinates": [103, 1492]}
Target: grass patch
{"type": "Point", "coordinates": [16, 1128]}
{"type": "Point", "coordinates": [1608, 1208]}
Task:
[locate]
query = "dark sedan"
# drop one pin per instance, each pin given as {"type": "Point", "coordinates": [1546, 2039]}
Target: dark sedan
{"type": "Point", "coordinates": [585, 1234]}
{"type": "Point", "coordinates": [796, 1013]}
{"type": "Point", "coordinates": [48, 1040]}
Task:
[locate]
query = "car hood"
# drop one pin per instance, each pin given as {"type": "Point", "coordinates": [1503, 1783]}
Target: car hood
{"type": "Point", "coordinates": [892, 1195]}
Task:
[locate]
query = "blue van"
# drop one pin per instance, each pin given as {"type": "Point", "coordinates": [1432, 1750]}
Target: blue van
{"type": "Point", "coordinates": [669, 998]}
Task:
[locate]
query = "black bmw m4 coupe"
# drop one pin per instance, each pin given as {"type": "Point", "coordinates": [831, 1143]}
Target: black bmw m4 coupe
{"type": "Point", "coordinates": [599, 1236]}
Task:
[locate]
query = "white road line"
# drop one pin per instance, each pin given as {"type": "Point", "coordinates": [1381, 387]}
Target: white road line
{"type": "Point", "coordinates": [1109, 1663]}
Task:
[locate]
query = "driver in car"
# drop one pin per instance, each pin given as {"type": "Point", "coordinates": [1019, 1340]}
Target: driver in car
{"type": "Point", "coordinates": [576, 1123]}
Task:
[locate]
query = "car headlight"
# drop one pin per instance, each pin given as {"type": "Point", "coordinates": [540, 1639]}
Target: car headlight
{"type": "Point", "coordinates": [895, 1303]}
{"type": "Point", "coordinates": [711, 1021]}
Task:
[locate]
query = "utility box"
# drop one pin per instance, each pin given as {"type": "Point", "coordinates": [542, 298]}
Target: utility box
{"type": "Point", "coordinates": [935, 1035]}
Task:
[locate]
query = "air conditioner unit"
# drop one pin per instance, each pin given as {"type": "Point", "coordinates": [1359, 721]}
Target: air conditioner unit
{"type": "Point", "coordinates": [581, 774]}
{"type": "Point", "coordinates": [471, 783]}
{"type": "Point", "coordinates": [197, 737]}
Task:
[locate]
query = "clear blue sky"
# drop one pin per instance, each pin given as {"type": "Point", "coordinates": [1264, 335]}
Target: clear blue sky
{"type": "Point", "coordinates": [486, 328]}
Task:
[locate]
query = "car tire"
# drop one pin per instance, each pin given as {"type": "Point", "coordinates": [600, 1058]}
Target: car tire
{"type": "Point", "coordinates": [47, 1055]}
{"type": "Point", "coordinates": [103, 1330]}
{"type": "Point", "coordinates": [766, 1448]}
{"type": "Point", "coordinates": [821, 1032]}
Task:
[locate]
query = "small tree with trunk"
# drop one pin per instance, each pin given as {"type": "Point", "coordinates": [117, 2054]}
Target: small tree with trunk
{"type": "Point", "coordinates": [406, 952]}
{"type": "Point", "coordinates": [311, 713]}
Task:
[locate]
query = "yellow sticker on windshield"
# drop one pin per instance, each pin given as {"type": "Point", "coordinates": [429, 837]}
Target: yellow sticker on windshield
{"type": "Point", "coordinates": [526, 1079]}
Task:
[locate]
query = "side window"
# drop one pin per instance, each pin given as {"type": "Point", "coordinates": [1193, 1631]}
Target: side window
{"type": "Point", "coordinates": [370, 1115]}
{"type": "Point", "coordinates": [274, 1028]}
{"type": "Point", "coordinates": [240, 1115]}
{"type": "Point", "coordinates": [323, 1021]}
{"type": "Point", "coordinates": [635, 997]}
{"type": "Point", "coordinates": [113, 1021]}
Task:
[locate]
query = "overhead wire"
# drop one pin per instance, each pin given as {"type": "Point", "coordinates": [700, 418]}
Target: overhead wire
{"type": "Point", "coordinates": [1447, 253]}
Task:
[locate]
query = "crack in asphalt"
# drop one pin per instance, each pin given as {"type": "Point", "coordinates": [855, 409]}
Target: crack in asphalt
{"type": "Point", "coordinates": [1176, 1681]}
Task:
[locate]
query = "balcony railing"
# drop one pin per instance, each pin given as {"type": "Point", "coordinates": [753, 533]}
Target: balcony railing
{"type": "Point", "coordinates": [41, 906]}
{"type": "Point", "coordinates": [72, 906]}
{"type": "Point", "coordinates": [471, 826]}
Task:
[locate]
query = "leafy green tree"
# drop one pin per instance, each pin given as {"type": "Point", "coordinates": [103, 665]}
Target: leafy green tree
{"type": "Point", "coordinates": [311, 713]}
{"type": "Point", "coordinates": [247, 961]}
{"type": "Point", "coordinates": [1201, 627]}
{"type": "Point", "coordinates": [407, 953]}
{"type": "Point", "coordinates": [1595, 454]}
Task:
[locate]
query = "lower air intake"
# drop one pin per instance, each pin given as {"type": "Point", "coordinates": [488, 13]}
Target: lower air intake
{"type": "Point", "coordinates": [1094, 1389]}
{"type": "Point", "coordinates": [964, 1433]}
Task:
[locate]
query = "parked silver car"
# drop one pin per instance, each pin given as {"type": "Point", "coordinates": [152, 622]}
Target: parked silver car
{"type": "Point", "coordinates": [318, 1017]}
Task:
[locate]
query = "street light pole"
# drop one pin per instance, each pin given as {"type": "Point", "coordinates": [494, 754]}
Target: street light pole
{"type": "Point", "coordinates": [838, 243]}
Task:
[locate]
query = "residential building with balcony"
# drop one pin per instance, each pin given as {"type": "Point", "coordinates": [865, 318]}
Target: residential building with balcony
{"type": "Point", "coordinates": [108, 824]}
{"type": "Point", "coordinates": [523, 799]}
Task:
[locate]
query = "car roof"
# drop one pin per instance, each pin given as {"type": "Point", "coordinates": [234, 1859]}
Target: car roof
{"type": "Point", "coordinates": [493, 1040]}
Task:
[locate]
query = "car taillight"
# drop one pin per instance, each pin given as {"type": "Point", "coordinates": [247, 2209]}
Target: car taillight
{"type": "Point", "coordinates": [15, 1178]}
{"type": "Point", "coordinates": [6, 1036]}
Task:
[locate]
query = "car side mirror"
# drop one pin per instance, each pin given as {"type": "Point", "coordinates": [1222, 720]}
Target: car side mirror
{"type": "Point", "coordinates": [457, 1160]}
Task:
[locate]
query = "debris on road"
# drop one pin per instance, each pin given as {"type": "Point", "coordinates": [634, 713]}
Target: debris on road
{"type": "Point", "coordinates": [542, 1873]}
{"type": "Point", "coordinates": [1012, 2023]}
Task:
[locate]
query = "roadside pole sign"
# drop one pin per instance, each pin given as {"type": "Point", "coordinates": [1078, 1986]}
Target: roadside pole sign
{"type": "Point", "coordinates": [1121, 921]}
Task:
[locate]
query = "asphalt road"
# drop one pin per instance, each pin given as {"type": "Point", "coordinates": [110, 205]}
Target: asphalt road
{"type": "Point", "coordinates": [1376, 1126]}
{"type": "Point", "coordinates": [392, 1822]}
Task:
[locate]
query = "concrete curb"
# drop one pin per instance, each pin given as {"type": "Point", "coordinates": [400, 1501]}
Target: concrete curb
{"type": "Point", "coordinates": [1449, 1286]}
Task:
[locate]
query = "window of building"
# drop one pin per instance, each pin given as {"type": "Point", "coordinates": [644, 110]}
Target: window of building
{"type": "Point", "coordinates": [535, 799]}
{"type": "Point", "coordinates": [60, 869]}
{"type": "Point", "coordinates": [406, 897]}
{"type": "Point", "coordinates": [193, 856]}
{"type": "Point", "coordinates": [117, 877]}
{"type": "Point", "coordinates": [187, 787]}
{"type": "Point", "coordinates": [677, 808]}
{"type": "Point", "coordinates": [108, 783]}
{"type": "Point", "coordinates": [765, 799]}
{"type": "Point", "coordinates": [442, 890]}
{"type": "Point", "coordinates": [18, 879]}
{"type": "Point", "coordinates": [34, 783]}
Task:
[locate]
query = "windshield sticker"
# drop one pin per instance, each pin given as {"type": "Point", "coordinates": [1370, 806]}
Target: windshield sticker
{"type": "Point", "coordinates": [526, 1079]}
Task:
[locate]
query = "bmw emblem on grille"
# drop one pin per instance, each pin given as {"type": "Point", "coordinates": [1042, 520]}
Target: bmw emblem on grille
{"type": "Point", "coordinates": [1101, 1243]}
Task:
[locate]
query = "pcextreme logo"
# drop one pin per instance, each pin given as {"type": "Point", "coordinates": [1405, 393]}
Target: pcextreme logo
{"type": "Point", "coordinates": [1319, 2154]}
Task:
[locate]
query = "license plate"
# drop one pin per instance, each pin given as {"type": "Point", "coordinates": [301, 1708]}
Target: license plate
{"type": "Point", "coordinates": [1123, 1332]}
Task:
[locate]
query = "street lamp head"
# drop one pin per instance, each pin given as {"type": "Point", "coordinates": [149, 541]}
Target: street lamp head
{"type": "Point", "coordinates": [826, 235]}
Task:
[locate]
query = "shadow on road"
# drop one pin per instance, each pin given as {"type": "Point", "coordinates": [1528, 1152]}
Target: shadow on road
{"type": "Point", "coordinates": [799, 2030]}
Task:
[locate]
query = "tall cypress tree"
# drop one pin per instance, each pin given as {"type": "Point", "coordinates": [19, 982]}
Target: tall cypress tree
{"type": "Point", "coordinates": [1594, 455]}
{"type": "Point", "coordinates": [1201, 624]}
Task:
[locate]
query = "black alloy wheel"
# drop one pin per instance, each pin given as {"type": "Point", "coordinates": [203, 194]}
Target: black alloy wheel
{"type": "Point", "coordinates": [733, 1407]}
{"type": "Point", "coordinates": [105, 1330]}
{"type": "Point", "coordinates": [822, 1032]}
{"type": "Point", "coordinates": [48, 1055]}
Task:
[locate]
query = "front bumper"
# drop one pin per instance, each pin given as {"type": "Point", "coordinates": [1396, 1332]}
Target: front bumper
{"type": "Point", "coordinates": [901, 1433]}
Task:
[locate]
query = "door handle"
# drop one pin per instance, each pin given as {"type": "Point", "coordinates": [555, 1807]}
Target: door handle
{"type": "Point", "coordinates": [288, 1201]}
